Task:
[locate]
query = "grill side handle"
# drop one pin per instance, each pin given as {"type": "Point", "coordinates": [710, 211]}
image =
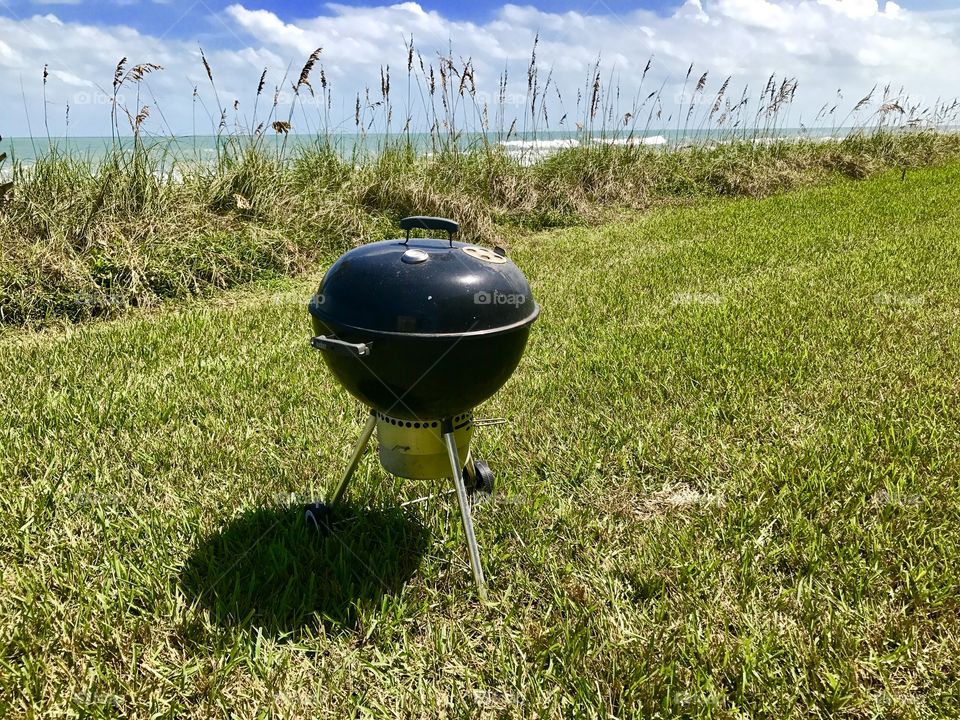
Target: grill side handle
{"type": "Point", "coordinates": [332, 344]}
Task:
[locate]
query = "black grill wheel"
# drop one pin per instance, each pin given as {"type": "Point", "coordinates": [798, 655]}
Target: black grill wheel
{"type": "Point", "coordinates": [480, 477]}
{"type": "Point", "coordinates": [318, 517]}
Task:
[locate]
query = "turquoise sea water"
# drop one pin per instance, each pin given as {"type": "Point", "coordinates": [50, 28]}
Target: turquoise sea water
{"type": "Point", "coordinates": [203, 148]}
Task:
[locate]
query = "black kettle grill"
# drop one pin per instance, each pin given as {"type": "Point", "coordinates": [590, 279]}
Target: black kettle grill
{"type": "Point", "coordinates": [422, 331]}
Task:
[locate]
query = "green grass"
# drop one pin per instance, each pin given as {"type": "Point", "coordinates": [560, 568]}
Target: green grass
{"type": "Point", "coordinates": [729, 489]}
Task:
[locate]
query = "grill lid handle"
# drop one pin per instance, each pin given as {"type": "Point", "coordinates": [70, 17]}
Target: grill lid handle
{"type": "Point", "coordinates": [322, 342]}
{"type": "Point", "coordinates": [424, 222]}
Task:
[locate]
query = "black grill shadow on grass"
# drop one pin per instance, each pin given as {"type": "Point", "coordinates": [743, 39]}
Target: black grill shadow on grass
{"type": "Point", "coordinates": [267, 570]}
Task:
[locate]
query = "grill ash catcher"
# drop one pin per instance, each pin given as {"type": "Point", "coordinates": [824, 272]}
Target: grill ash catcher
{"type": "Point", "coordinates": [421, 331]}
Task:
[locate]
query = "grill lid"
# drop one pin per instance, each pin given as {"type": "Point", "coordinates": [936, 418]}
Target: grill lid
{"type": "Point", "coordinates": [424, 287]}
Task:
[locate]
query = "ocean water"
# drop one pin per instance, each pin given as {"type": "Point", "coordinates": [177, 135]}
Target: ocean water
{"type": "Point", "coordinates": [192, 149]}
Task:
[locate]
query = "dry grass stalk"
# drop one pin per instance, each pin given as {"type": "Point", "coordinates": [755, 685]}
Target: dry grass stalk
{"type": "Point", "coordinates": [141, 117]}
{"type": "Point", "coordinates": [865, 99]}
{"type": "Point", "coordinates": [206, 65]}
{"type": "Point", "coordinates": [304, 78]}
{"type": "Point", "coordinates": [118, 73]}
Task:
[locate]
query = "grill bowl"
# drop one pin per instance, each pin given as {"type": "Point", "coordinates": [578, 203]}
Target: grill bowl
{"type": "Point", "coordinates": [422, 329]}
{"type": "Point", "coordinates": [425, 377]}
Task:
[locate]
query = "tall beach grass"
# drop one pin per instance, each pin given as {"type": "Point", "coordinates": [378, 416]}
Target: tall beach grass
{"type": "Point", "coordinates": [148, 221]}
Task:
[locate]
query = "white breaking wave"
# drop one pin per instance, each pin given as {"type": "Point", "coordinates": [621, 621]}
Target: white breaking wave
{"type": "Point", "coordinates": [652, 140]}
{"type": "Point", "coordinates": [529, 151]}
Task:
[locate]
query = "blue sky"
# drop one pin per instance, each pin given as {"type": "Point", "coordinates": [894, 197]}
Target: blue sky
{"type": "Point", "coordinates": [185, 18]}
{"type": "Point", "coordinates": [824, 44]}
{"type": "Point", "coordinates": [154, 16]}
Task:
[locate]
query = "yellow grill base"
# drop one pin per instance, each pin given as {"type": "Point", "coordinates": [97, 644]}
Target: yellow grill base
{"type": "Point", "coordinates": [416, 449]}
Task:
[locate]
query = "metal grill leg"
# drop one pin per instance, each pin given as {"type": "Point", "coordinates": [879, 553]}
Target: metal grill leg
{"type": "Point", "coordinates": [465, 512]}
{"type": "Point", "coordinates": [354, 460]}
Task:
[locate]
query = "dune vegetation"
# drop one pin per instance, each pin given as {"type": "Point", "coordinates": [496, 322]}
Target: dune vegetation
{"type": "Point", "coordinates": [81, 238]}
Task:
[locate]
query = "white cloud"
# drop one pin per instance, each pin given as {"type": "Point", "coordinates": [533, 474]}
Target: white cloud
{"type": "Point", "coordinates": [8, 56]}
{"type": "Point", "coordinates": [853, 8]}
{"type": "Point", "coordinates": [692, 10]}
{"type": "Point", "coordinates": [826, 44]}
{"type": "Point", "coordinates": [758, 13]}
{"type": "Point", "coordinates": [69, 78]}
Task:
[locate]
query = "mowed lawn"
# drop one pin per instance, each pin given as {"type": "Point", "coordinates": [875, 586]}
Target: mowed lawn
{"type": "Point", "coordinates": [728, 488]}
